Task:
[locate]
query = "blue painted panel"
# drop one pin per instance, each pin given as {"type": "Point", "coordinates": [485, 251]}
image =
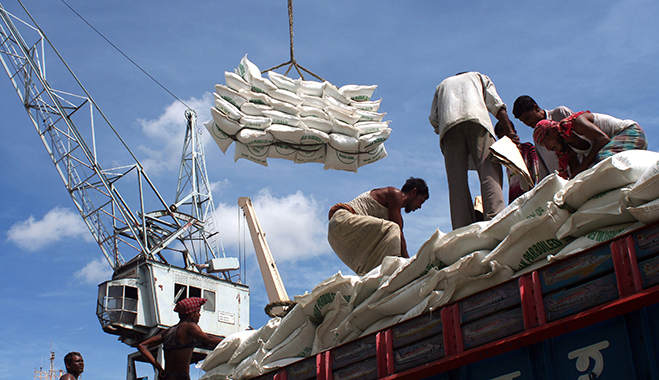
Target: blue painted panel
{"type": "Point", "coordinates": [576, 269]}
{"type": "Point", "coordinates": [602, 349]}
{"type": "Point", "coordinates": [515, 365]}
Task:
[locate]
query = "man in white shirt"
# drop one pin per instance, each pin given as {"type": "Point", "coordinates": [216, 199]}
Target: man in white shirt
{"type": "Point", "coordinates": [526, 110]}
{"type": "Point", "coordinates": [459, 115]}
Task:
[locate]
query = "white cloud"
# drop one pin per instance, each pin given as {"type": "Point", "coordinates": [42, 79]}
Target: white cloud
{"type": "Point", "coordinates": [59, 223]}
{"type": "Point", "coordinates": [295, 225]}
{"type": "Point", "coordinates": [166, 134]}
{"type": "Point", "coordinates": [94, 272]}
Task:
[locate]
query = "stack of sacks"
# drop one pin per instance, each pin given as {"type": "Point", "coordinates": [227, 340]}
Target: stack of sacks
{"type": "Point", "coordinates": [644, 196]}
{"type": "Point", "coordinates": [537, 227]}
{"type": "Point", "coordinates": [297, 120]}
{"type": "Point", "coordinates": [602, 198]}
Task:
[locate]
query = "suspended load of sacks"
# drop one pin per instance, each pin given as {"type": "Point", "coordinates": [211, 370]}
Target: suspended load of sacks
{"type": "Point", "coordinates": [297, 120]}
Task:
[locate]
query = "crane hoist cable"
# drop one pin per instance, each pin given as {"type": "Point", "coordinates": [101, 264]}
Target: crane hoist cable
{"type": "Point", "coordinates": [292, 62]}
{"type": "Point", "coordinates": [125, 55]}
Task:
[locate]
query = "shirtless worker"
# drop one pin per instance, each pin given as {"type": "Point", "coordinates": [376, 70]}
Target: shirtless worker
{"type": "Point", "coordinates": [74, 366]}
{"type": "Point", "coordinates": [365, 230]}
{"type": "Point", "coordinates": [179, 341]}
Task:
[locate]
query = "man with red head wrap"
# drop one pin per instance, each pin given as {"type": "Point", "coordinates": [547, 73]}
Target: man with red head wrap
{"type": "Point", "coordinates": [584, 139]}
{"type": "Point", "coordinates": [179, 341]}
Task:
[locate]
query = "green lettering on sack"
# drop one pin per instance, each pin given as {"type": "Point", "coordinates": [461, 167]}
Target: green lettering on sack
{"type": "Point", "coordinates": [322, 301]}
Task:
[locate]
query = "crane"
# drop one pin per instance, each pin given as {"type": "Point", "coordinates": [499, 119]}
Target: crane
{"type": "Point", "coordinates": [123, 210]}
{"type": "Point", "coordinates": [274, 286]}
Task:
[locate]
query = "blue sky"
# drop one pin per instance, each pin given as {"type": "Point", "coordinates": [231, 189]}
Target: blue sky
{"type": "Point", "coordinates": [588, 55]}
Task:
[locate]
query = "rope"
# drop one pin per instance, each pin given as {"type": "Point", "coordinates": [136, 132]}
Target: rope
{"type": "Point", "coordinates": [286, 305]}
{"type": "Point", "coordinates": [292, 62]}
{"type": "Point", "coordinates": [126, 56]}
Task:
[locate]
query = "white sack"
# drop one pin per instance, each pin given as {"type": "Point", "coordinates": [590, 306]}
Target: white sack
{"type": "Point", "coordinates": [466, 286]}
{"type": "Point", "coordinates": [316, 303]}
{"type": "Point", "coordinates": [529, 205]}
{"type": "Point", "coordinates": [594, 238]}
{"type": "Point", "coordinates": [253, 109]}
{"type": "Point", "coordinates": [531, 239]}
{"type": "Point", "coordinates": [647, 213]}
{"type": "Point", "coordinates": [284, 82]}
{"type": "Point", "coordinates": [311, 153]}
{"type": "Point", "coordinates": [310, 87]}
{"type": "Point", "coordinates": [223, 352]}
{"type": "Point", "coordinates": [368, 127]}
{"type": "Point", "coordinates": [256, 97]}
{"type": "Point", "coordinates": [231, 111]}
{"type": "Point", "coordinates": [262, 85]}
{"type": "Point", "coordinates": [358, 93]}
{"type": "Point", "coordinates": [235, 81]}
{"type": "Point", "coordinates": [254, 153]}
{"type": "Point", "coordinates": [298, 344]}
{"type": "Point", "coordinates": [312, 100]}
{"type": "Point", "coordinates": [289, 323]}
{"type": "Point", "coordinates": [220, 372]}
{"type": "Point", "coordinates": [285, 107]}
{"type": "Point", "coordinates": [286, 96]}
{"type": "Point", "coordinates": [230, 95]}
{"type": "Point", "coordinates": [614, 172]}
{"type": "Point", "coordinates": [317, 123]}
{"type": "Point", "coordinates": [221, 139]}
{"type": "Point", "coordinates": [372, 105]}
{"type": "Point", "coordinates": [247, 70]}
{"type": "Point", "coordinates": [339, 160]}
{"type": "Point", "coordinates": [253, 342]}
{"type": "Point", "coordinates": [254, 137]}
{"type": "Point", "coordinates": [606, 209]}
{"type": "Point", "coordinates": [366, 116]}
{"type": "Point", "coordinates": [255, 122]}
{"type": "Point", "coordinates": [335, 313]}
{"type": "Point", "coordinates": [306, 111]}
{"type": "Point", "coordinates": [372, 155]}
{"type": "Point", "coordinates": [282, 151]}
{"type": "Point", "coordinates": [333, 92]}
{"type": "Point", "coordinates": [371, 141]}
{"type": "Point", "coordinates": [463, 241]}
{"type": "Point", "coordinates": [647, 186]}
{"type": "Point", "coordinates": [279, 117]}
{"type": "Point", "coordinates": [286, 133]}
{"type": "Point", "coordinates": [228, 126]}
{"type": "Point", "coordinates": [250, 367]}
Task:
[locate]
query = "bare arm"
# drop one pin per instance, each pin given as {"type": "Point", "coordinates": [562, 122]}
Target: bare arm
{"type": "Point", "coordinates": [194, 330]}
{"type": "Point", "coordinates": [394, 204]}
{"type": "Point", "coordinates": [143, 348]}
{"type": "Point", "coordinates": [392, 199]}
{"type": "Point", "coordinates": [583, 125]}
{"type": "Point", "coordinates": [508, 127]}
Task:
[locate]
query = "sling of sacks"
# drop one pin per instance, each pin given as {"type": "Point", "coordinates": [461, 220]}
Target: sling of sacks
{"type": "Point", "coordinates": [297, 120]}
{"type": "Point", "coordinates": [557, 218]}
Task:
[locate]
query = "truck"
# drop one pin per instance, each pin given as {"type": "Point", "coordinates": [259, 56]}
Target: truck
{"type": "Point", "coordinates": [593, 315]}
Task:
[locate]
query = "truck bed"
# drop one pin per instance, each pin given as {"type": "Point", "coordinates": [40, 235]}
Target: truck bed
{"type": "Point", "coordinates": [591, 315]}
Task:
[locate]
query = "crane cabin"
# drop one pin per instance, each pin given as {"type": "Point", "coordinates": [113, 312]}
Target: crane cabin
{"type": "Point", "coordinates": [139, 301]}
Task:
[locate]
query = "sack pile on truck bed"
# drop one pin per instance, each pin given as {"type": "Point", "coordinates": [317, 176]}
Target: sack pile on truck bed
{"type": "Point", "coordinates": [555, 219]}
{"type": "Point", "coordinates": [297, 120]}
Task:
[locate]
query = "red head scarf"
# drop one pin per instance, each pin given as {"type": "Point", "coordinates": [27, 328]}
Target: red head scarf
{"type": "Point", "coordinates": [189, 305]}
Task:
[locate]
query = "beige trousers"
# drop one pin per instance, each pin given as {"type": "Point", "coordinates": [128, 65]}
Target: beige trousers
{"type": "Point", "coordinates": [464, 140]}
{"type": "Point", "coordinates": [362, 241]}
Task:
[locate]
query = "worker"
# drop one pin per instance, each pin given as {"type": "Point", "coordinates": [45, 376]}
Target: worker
{"type": "Point", "coordinates": [365, 230]}
{"type": "Point", "coordinates": [528, 112]}
{"type": "Point", "coordinates": [584, 139]}
{"type": "Point", "coordinates": [74, 364]}
{"type": "Point", "coordinates": [179, 341]}
{"type": "Point", "coordinates": [459, 115]}
{"type": "Point", "coordinates": [516, 183]}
